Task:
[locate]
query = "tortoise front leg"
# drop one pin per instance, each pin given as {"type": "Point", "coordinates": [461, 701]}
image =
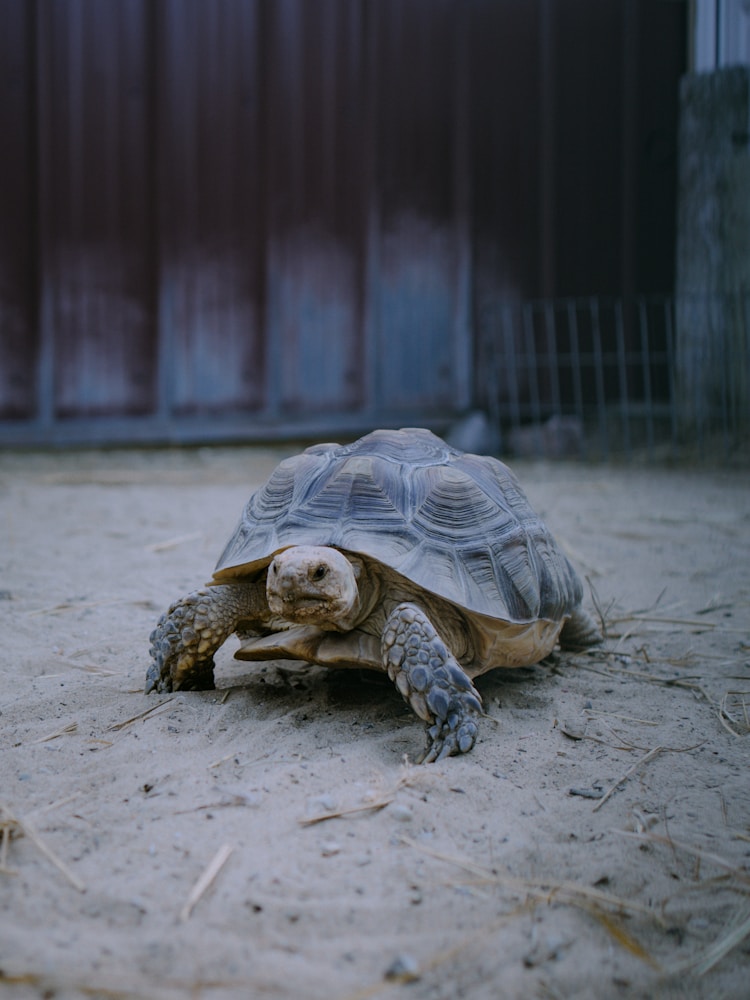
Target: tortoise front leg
{"type": "Point", "coordinates": [430, 678]}
{"type": "Point", "coordinates": [189, 633]}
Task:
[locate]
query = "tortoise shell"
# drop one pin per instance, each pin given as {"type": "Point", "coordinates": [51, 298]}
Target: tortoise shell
{"type": "Point", "coordinates": [454, 524]}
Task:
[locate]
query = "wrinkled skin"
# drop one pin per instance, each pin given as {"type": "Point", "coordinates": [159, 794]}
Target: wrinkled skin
{"type": "Point", "coordinates": [319, 588]}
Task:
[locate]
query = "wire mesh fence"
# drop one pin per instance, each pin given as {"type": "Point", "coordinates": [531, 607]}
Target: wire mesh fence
{"type": "Point", "coordinates": [601, 378]}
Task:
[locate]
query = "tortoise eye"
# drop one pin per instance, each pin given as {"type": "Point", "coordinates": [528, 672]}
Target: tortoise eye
{"type": "Point", "coordinates": [320, 572]}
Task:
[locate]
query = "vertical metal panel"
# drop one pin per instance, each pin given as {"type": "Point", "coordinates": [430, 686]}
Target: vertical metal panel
{"type": "Point", "coordinates": [513, 173]}
{"type": "Point", "coordinates": [616, 119]}
{"type": "Point", "coordinates": [549, 149]}
{"type": "Point", "coordinates": [284, 208]}
{"type": "Point", "coordinates": [661, 63]}
{"type": "Point", "coordinates": [210, 186]}
{"type": "Point", "coordinates": [18, 343]}
{"type": "Point", "coordinates": [588, 169]}
{"type": "Point", "coordinates": [316, 204]}
{"type": "Point", "coordinates": [94, 197]}
{"type": "Point", "coordinates": [509, 111]}
{"type": "Point", "coordinates": [422, 263]}
{"type": "Point", "coordinates": [598, 213]}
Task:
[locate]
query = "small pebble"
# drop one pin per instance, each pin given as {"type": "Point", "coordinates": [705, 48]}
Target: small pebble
{"type": "Point", "coordinates": [250, 799]}
{"type": "Point", "coordinates": [320, 804]}
{"type": "Point", "coordinates": [401, 813]}
{"type": "Point", "coordinates": [329, 848]}
{"type": "Point", "coordinates": [542, 952]}
{"type": "Point", "coordinates": [404, 967]}
{"type": "Point", "coordinates": [574, 729]}
{"type": "Point", "coordinates": [595, 792]}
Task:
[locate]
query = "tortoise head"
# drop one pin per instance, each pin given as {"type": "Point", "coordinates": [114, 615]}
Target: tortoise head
{"type": "Point", "coordinates": [314, 585]}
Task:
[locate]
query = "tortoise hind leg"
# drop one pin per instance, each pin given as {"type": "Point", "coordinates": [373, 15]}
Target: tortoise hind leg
{"type": "Point", "coordinates": [431, 681]}
{"type": "Point", "coordinates": [189, 633]}
{"type": "Point", "coordinates": [580, 631]}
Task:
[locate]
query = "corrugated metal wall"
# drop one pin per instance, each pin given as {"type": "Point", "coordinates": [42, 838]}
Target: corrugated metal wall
{"type": "Point", "coordinates": [255, 217]}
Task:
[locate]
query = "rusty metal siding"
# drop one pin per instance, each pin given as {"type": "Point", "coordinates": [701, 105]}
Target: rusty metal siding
{"type": "Point", "coordinates": [274, 215]}
{"type": "Point", "coordinates": [96, 316]}
{"type": "Point", "coordinates": [583, 202]}
{"type": "Point", "coordinates": [208, 195]}
{"type": "Point", "coordinates": [509, 63]}
{"type": "Point", "coordinates": [316, 206]}
{"type": "Point", "coordinates": [18, 341]}
{"type": "Point", "coordinates": [422, 292]}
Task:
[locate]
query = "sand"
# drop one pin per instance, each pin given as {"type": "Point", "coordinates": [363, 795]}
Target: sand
{"type": "Point", "coordinates": [275, 837]}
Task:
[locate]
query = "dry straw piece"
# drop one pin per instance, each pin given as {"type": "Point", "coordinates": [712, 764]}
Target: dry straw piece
{"type": "Point", "coordinates": [703, 962]}
{"type": "Point", "coordinates": [703, 856]}
{"type": "Point", "coordinates": [11, 826]}
{"type": "Point", "coordinates": [204, 882]}
{"type": "Point", "coordinates": [117, 726]}
{"type": "Point", "coordinates": [68, 730]}
{"type": "Point", "coordinates": [173, 543]}
{"type": "Point", "coordinates": [411, 776]}
{"type": "Point", "coordinates": [628, 774]}
{"type": "Point", "coordinates": [733, 713]}
{"type": "Point", "coordinates": [542, 889]}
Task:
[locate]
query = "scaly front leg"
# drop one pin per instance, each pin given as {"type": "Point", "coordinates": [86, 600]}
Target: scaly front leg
{"type": "Point", "coordinates": [187, 636]}
{"type": "Point", "coordinates": [430, 678]}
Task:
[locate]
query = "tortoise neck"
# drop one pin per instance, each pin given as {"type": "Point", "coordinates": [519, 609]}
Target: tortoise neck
{"type": "Point", "coordinates": [369, 586]}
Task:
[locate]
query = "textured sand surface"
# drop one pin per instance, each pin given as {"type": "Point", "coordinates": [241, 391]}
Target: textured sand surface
{"type": "Point", "coordinates": [503, 873]}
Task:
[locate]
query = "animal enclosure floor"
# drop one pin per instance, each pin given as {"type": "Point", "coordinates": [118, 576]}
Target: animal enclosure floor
{"type": "Point", "coordinates": [274, 838]}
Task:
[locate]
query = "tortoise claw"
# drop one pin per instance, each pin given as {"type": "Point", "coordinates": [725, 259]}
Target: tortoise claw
{"type": "Point", "coordinates": [155, 679]}
{"type": "Point", "coordinates": [447, 742]}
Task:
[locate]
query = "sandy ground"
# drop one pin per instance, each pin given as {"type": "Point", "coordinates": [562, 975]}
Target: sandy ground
{"type": "Point", "coordinates": [509, 872]}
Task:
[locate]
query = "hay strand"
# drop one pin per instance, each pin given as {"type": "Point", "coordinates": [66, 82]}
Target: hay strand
{"type": "Point", "coordinates": [625, 940]}
{"type": "Point", "coordinates": [55, 609]}
{"type": "Point", "coordinates": [52, 857]}
{"type": "Point", "coordinates": [117, 726]}
{"type": "Point", "coordinates": [351, 811]}
{"type": "Point", "coordinates": [68, 730]}
{"type": "Point", "coordinates": [703, 856]}
{"type": "Point", "coordinates": [628, 774]}
{"type": "Point", "coordinates": [592, 713]}
{"type": "Point", "coordinates": [5, 825]}
{"type": "Point", "coordinates": [173, 543]}
{"type": "Point", "coordinates": [738, 727]}
{"type": "Point", "coordinates": [663, 620]}
{"type": "Point", "coordinates": [11, 825]}
{"type": "Point", "coordinates": [539, 888]}
{"type": "Point", "coordinates": [207, 878]}
{"type": "Point", "coordinates": [705, 960]}
{"type": "Point", "coordinates": [410, 777]}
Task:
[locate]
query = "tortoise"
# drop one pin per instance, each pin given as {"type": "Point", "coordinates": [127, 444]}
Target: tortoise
{"type": "Point", "coordinates": [398, 553]}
